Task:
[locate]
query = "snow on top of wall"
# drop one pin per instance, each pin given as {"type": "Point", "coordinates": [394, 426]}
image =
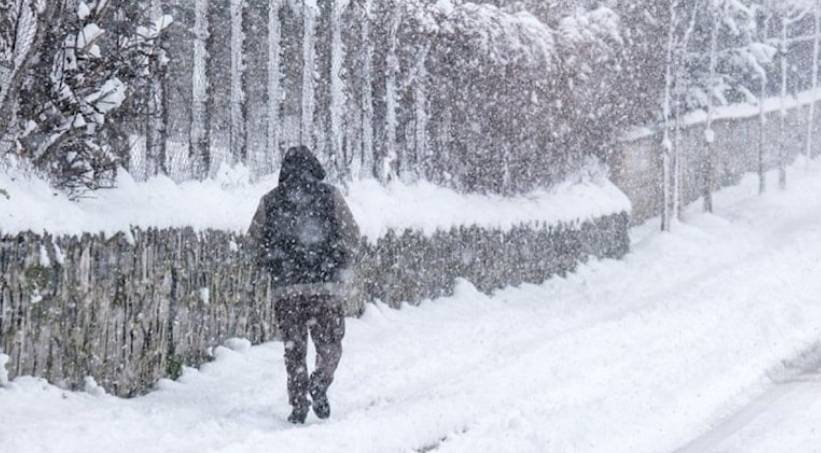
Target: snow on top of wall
{"type": "Point", "coordinates": [228, 202]}
{"type": "Point", "coordinates": [734, 111]}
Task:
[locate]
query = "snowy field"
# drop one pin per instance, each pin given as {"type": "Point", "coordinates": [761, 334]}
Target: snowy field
{"type": "Point", "coordinates": [642, 355]}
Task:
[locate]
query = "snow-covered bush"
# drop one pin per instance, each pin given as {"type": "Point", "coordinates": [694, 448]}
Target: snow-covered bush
{"type": "Point", "coordinates": [88, 62]}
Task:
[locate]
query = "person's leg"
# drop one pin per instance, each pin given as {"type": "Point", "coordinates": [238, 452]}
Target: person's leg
{"type": "Point", "coordinates": [292, 324]}
{"type": "Point", "coordinates": [327, 331]}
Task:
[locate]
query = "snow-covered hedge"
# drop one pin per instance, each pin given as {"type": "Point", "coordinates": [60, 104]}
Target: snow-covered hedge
{"type": "Point", "coordinates": [130, 285]}
{"type": "Point", "coordinates": [131, 308]}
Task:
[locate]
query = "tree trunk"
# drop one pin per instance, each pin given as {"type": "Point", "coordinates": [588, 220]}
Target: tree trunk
{"type": "Point", "coordinates": [212, 44]}
{"type": "Point", "coordinates": [149, 159]}
{"type": "Point", "coordinates": [782, 132]}
{"type": "Point", "coordinates": [811, 113]}
{"type": "Point", "coordinates": [390, 157]}
{"type": "Point", "coordinates": [200, 130]}
{"type": "Point", "coordinates": [367, 157]}
{"type": "Point", "coordinates": [164, 120]}
{"type": "Point", "coordinates": [445, 141]}
{"type": "Point", "coordinates": [680, 158]}
{"type": "Point", "coordinates": [762, 124]}
{"type": "Point", "coordinates": [667, 143]}
{"type": "Point", "coordinates": [157, 102]}
{"type": "Point", "coordinates": [248, 159]}
{"type": "Point", "coordinates": [709, 134]}
{"type": "Point", "coordinates": [677, 155]}
{"type": "Point", "coordinates": [238, 145]}
{"type": "Point", "coordinates": [337, 90]}
{"type": "Point", "coordinates": [420, 101]}
{"type": "Point", "coordinates": [274, 88]}
{"type": "Point", "coordinates": [306, 131]}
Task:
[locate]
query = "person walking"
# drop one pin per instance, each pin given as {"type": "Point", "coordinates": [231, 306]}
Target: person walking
{"type": "Point", "coordinates": [305, 237]}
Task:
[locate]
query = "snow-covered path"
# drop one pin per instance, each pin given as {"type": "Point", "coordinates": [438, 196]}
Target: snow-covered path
{"type": "Point", "coordinates": [636, 356]}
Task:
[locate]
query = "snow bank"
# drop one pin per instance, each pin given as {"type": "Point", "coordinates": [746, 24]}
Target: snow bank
{"type": "Point", "coordinates": [426, 207]}
{"type": "Point", "coordinates": [785, 420]}
{"type": "Point", "coordinates": [229, 201]}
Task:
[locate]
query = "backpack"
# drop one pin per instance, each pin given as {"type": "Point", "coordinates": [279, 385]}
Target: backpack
{"type": "Point", "coordinates": [300, 241]}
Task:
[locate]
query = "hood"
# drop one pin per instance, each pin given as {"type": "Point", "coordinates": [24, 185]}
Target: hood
{"type": "Point", "coordinates": [300, 166]}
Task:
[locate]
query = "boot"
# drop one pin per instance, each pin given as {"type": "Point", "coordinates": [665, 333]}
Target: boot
{"type": "Point", "coordinates": [299, 414]}
{"type": "Point", "coordinates": [321, 406]}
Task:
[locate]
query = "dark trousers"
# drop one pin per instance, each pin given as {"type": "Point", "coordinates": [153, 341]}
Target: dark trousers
{"type": "Point", "coordinates": [323, 317]}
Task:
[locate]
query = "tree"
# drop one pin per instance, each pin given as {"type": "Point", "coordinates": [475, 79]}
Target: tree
{"type": "Point", "coordinates": [766, 18]}
{"type": "Point", "coordinates": [25, 27]}
{"type": "Point", "coordinates": [709, 134]}
{"type": "Point", "coordinates": [421, 146]}
{"type": "Point", "coordinates": [156, 89]}
{"type": "Point", "coordinates": [274, 86]}
{"type": "Point", "coordinates": [790, 13]}
{"type": "Point", "coordinates": [816, 39]}
{"type": "Point", "coordinates": [338, 97]}
{"type": "Point", "coordinates": [200, 120]}
{"type": "Point", "coordinates": [366, 101]}
{"type": "Point", "coordinates": [306, 130]}
{"type": "Point", "coordinates": [681, 23]}
{"type": "Point", "coordinates": [239, 114]}
{"type": "Point", "coordinates": [72, 86]}
{"type": "Point", "coordinates": [726, 58]}
{"type": "Point", "coordinates": [388, 168]}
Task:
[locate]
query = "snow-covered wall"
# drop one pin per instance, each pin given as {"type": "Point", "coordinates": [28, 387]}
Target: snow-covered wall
{"type": "Point", "coordinates": [738, 138]}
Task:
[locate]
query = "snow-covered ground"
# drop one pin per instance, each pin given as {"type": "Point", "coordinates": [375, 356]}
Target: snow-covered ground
{"type": "Point", "coordinates": [640, 355]}
{"type": "Point", "coordinates": [791, 424]}
{"type": "Point", "coordinates": [783, 419]}
{"type": "Point", "coordinates": [228, 202]}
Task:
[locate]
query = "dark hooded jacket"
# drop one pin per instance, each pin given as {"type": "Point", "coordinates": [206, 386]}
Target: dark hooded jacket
{"type": "Point", "coordinates": [303, 231]}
